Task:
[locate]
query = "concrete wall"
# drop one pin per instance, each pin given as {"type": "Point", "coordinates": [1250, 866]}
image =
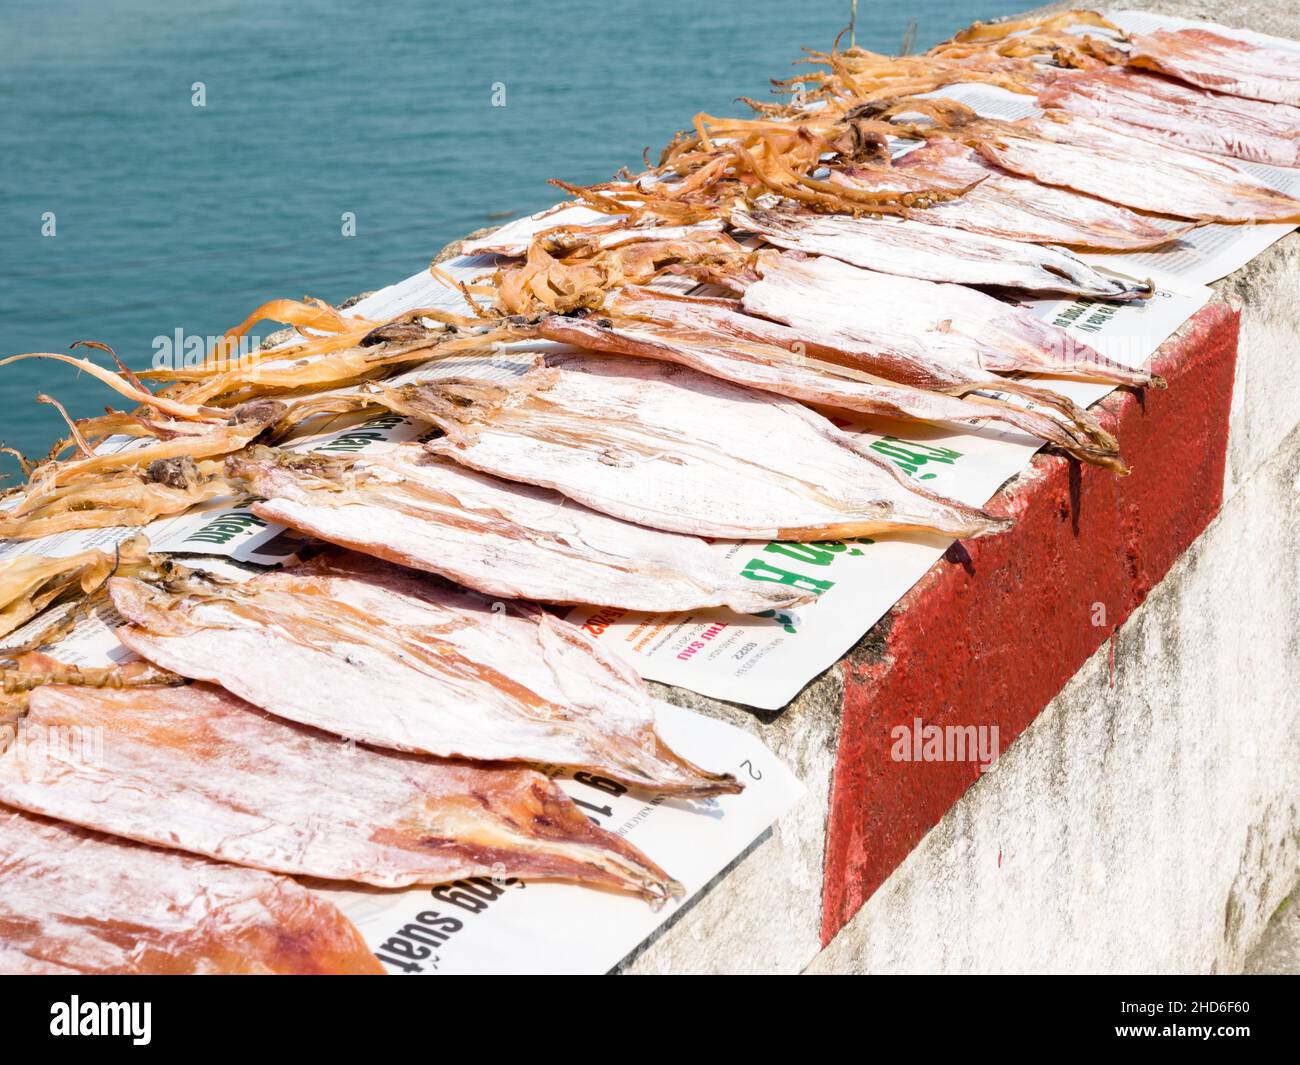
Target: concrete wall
{"type": "Point", "coordinates": [1149, 818]}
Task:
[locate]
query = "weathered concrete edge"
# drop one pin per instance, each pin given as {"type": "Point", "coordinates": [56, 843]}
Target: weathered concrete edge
{"type": "Point", "coordinates": [766, 915]}
{"type": "Point", "coordinates": [1149, 819]}
{"type": "Point", "coordinates": [987, 639]}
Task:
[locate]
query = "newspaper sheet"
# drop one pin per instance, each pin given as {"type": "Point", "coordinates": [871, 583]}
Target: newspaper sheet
{"type": "Point", "coordinates": [507, 926]}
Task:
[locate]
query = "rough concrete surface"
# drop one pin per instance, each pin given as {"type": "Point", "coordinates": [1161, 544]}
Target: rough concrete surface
{"type": "Point", "coordinates": [1146, 825]}
{"type": "Point", "coordinates": [1278, 951]}
{"type": "Point", "coordinates": [1266, 398]}
{"type": "Point", "coordinates": [988, 641]}
{"type": "Point", "coordinates": [764, 914]}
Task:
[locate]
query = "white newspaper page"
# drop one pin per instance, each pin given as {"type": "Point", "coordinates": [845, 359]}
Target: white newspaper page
{"type": "Point", "coordinates": [509, 926]}
{"type": "Point", "coordinates": [1209, 252]}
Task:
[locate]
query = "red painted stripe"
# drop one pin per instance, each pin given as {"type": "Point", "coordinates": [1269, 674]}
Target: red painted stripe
{"type": "Point", "coordinates": [994, 631]}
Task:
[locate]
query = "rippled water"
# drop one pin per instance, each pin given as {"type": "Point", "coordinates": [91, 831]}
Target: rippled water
{"type": "Point", "coordinates": [169, 216]}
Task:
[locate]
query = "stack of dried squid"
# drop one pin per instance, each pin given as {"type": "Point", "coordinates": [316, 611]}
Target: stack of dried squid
{"type": "Point", "coordinates": [376, 713]}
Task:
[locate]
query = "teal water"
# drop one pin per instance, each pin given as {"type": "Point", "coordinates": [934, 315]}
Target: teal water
{"type": "Point", "coordinates": [169, 216]}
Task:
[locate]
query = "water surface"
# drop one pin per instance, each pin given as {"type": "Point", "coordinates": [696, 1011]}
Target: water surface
{"type": "Point", "coordinates": [170, 216]}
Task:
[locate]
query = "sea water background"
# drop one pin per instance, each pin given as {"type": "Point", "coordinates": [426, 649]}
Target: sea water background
{"type": "Point", "coordinates": [170, 216]}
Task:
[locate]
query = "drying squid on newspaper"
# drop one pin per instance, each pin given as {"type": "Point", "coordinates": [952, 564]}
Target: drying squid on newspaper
{"type": "Point", "coordinates": [987, 33]}
{"type": "Point", "coordinates": [917, 249]}
{"type": "Point", "coordinates": [380, 654]}
{"type": "Point", "coordinates": [168, 464]}
{"type": "Point", "coordinates": [1002, 204]}
{"type": "Point", "coordinates": [1106, 159]}
{"type": "Point", "coordinates": [600, 234]}
{"type": "Point", "coordinates": [543, 282]}
{"type": "Point", "coordinates": [1258, 70]}
{"type": "Point", "coordinates": [892, 354]}
{"type": "Point", "coordinates": [132, 497]}
{"type": "Point", "coordinates": [31, 582]}
{"type": "Point", "coordinates": [199, 770]}
{"type": "Point", "coordinates": [497, 537]}
{"type": "Point", "coordinates": [670, 448]}
{"type": "Point", "coordinates": [1190, 117]}
{"type": "Point", "coordinates": [847, 78]}
{"type": "Point", "coordinates": [924, 333]}
{"type": "Point", "coordinates": [512, 238]}
{"type": "Point", "coordinates": [76, 901]}
{"type": "Point", "coordinates": [714, 337]}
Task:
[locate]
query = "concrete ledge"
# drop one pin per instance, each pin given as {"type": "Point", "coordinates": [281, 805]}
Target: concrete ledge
{"type": "Point", "coordinates": [1149, 819]}
{"type": "Point", "coordinates": [994, 631]}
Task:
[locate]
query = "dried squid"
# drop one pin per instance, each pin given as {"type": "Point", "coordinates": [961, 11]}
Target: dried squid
{"type": "Point", "coordinates": [1194, 118]}
{"type": "Point", "coordinates": [670, 448]}
{"type": "Point", "coordinates": [1105, 159]}
{"type": "Point", "coordinates": [1002, 204]}
{"type": "Point", "coordinates": [711, 336]}
{"type": "Point", "coordinates": [199, 770]}
{"type": "Point", "coordinates": [497, 537]}
{"type": "Point", "coordinates": [76, 901]}
{"type": "Point", "coordinates": [917, 249]}
{"type": "Point", "coordinates": [393, 658]}
{"type": "Point", "coordinates": [1223, 63]}
{"type": "Point", "coordinates": [925, 333]}
{"type": "Point", "coordinates": [30, 582]}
